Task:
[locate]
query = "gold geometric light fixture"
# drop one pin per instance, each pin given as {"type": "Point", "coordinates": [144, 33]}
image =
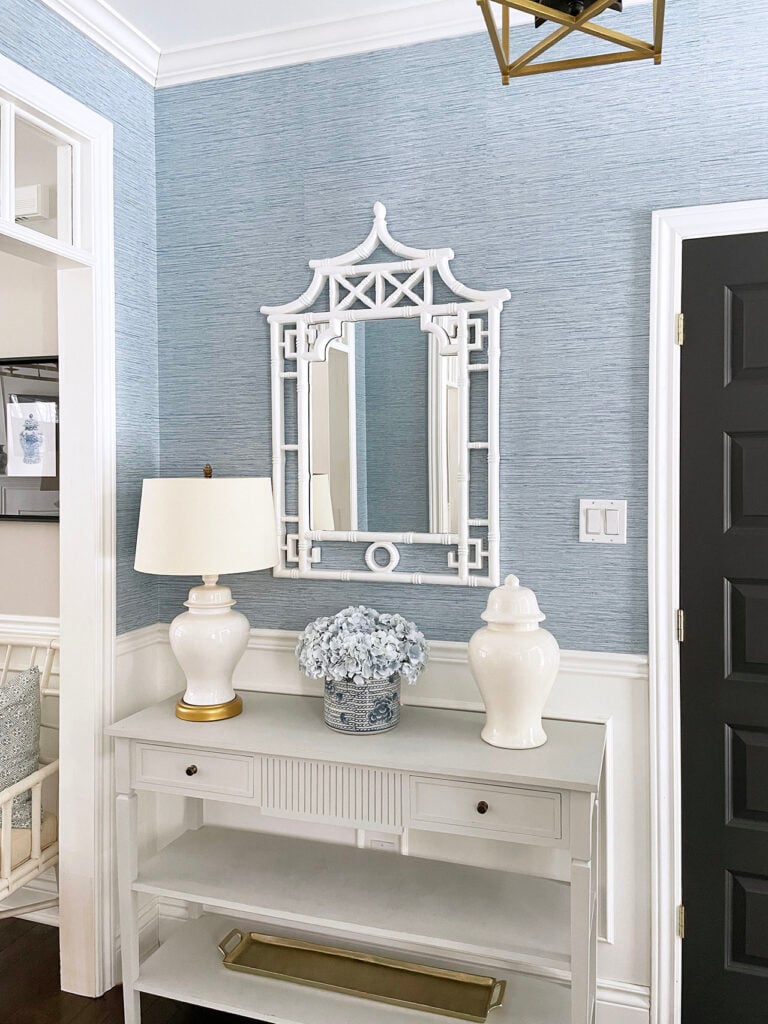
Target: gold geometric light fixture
{"type": "Point", "coordinates": [569, 16]}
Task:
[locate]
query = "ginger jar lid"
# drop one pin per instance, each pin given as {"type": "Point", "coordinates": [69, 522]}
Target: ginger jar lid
{"type": "Point", "coordinates": [512, 603]}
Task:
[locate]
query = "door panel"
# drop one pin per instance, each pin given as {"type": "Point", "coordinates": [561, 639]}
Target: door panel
{"type": "Point", "coordinates": [724, 660]}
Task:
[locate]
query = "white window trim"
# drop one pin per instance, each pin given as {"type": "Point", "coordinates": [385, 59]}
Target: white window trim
{"type": "Point", "coordinates": [670, 229]}
{"type": "Point", "coordinates": [87, 535]}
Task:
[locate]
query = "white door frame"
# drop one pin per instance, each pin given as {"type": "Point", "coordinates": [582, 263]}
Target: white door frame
{"type": "Point", "coordinates": [87, 527]}
{"type": "Point", "coordinates": [670, 229]}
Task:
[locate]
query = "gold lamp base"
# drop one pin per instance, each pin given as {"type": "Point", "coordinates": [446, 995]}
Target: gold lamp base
{"type": "Point", "coordinates": [209, 712]}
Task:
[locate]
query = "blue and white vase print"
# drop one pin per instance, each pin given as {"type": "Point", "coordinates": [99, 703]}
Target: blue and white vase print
{"type": "Point", "coordinates": [31, 439]}
{"type": "Point", "coordinates": [374, 707]}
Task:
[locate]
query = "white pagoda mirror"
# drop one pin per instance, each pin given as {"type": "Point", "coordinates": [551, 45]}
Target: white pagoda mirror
{"type": "Point", "coordinates": [385, 398]}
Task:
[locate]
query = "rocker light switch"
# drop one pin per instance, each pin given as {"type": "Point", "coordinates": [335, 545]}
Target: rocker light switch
{"type": "Point", "coordinates": [594, 520]}
{"type": "Point", "coordinates": [602, 521]}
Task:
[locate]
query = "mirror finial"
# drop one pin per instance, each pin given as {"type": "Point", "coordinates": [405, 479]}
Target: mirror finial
{"type": "Point", "coordinates": [379, 211]}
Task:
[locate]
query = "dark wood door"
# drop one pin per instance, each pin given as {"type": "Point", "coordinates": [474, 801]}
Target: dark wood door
{"type": "Point", "coordinates": [724, 656]}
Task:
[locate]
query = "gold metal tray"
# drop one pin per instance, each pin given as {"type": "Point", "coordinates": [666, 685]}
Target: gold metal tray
{"type": "Point", "coordinates": [431, 989]}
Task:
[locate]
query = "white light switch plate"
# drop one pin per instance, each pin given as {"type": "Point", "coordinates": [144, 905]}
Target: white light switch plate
{"type": "Point", "coordinates": [602, 521]}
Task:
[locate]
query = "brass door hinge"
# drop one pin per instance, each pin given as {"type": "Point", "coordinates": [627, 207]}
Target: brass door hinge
{"type": "Point", "coordinates": [680, 626]}
{"type": "Point", "coordinates": [680, 330]}
{"type": "Point", "coordinates": [681, 921]}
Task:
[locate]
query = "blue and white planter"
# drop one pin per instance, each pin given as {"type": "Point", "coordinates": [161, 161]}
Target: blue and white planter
{"type": "Point", "coordinates": [374, 707]}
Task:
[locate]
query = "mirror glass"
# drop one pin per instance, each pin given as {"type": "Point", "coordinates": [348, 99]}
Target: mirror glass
{"type": "Point", "coordinates": [384, 431]}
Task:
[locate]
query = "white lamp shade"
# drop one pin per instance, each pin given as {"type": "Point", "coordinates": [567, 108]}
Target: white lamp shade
{"type": "Point", "coordinates": [198, 527]}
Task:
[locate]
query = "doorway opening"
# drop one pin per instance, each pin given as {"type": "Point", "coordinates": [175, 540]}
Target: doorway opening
{"type": "Point", "coordinates": [671, 228]}
{"type": "Point", "coordinates": [57, 289]}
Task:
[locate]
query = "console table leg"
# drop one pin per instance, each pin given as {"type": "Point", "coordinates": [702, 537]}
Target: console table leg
{"type": "Point", "coordinates": [583, 909]}
{"type": "Point", "coordinates": [127, 870]}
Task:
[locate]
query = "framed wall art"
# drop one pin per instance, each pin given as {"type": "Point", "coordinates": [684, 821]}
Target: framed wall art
{"type": "Point", "coordinates": [29, 439]}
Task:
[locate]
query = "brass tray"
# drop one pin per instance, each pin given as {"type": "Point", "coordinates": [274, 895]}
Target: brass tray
{"type": "Point", "coordinates": [431, 989]}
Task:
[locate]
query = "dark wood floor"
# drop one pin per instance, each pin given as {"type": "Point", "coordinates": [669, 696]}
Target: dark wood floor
{"type": "Point", "coordinates": [30, 994]}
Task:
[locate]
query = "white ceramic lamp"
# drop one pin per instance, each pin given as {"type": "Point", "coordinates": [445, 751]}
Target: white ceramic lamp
{"type": "Point", "coordinates": [206, 527]}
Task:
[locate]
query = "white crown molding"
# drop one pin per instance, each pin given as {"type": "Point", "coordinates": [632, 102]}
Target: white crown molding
{"type": "Point", "coordinates": [301, 44]}
{"type": "Point", "coordinates": [109, 30]}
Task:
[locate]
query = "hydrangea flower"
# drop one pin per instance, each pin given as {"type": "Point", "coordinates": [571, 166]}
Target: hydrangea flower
{"type": "Point", "coordinates": [363, 645]}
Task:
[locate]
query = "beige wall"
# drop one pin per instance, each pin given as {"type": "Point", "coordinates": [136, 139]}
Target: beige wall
{"type": "Point", "coordinates": [28, 322]}
{"type": "Point", "coordinates": [29, 552]}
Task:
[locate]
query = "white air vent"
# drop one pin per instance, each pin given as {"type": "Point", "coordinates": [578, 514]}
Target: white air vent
{"type": "Point", "coordinates": [33, 202]}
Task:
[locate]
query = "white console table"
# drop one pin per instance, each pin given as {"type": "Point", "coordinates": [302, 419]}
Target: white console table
{"type": "Point", "coordinates": [433, 772]}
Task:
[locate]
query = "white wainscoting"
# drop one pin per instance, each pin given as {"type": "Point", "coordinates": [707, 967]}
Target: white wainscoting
{"type": "Point", "coordinates": [601, 687]}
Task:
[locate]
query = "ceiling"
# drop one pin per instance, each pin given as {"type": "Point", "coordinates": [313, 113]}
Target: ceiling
{"type": "Point", "coordinates": [178, 24]}
{"type": "Point", "coordinates": [170, 42]}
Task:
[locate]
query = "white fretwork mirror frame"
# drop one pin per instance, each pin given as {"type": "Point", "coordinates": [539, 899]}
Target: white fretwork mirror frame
{"type": "Point", "coordinates": [301, 333]}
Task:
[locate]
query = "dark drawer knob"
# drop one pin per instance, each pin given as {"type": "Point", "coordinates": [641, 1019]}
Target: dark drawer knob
{"type": "Point", "coordinates": [482, 807]}
{"type": "Point", "coordinates": [192, 770]}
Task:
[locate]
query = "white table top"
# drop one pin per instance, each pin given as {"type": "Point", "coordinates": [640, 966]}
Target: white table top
{"type": "Point", "coordinates": [428, 740]}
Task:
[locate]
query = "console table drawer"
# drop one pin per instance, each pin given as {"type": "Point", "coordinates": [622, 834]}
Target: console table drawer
{"type": "Point", "coordinates": [193, 771]}
{"type": "Point", "coordinates": [476, 808]}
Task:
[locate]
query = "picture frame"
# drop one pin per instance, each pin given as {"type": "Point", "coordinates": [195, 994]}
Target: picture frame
{"type": "Point", "coordinates": [29, 439]}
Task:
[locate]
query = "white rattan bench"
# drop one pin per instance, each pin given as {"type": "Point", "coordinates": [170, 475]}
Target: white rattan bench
{"type": "Point", "coordinates": [27, 853]}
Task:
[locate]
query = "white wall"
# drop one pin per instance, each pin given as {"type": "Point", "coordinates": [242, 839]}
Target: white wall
{"type": "Point", "coordinates": [28, 299]}
{"type": "Point", "coordinates": [29, 552]}
{"type": "Point", "coordinates": [591, 687]}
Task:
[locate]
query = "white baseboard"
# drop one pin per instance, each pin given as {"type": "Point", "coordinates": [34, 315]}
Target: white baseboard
{"type": "Point", "coordinates": [40, 889]}
{"type": "Point", "coordinates": [622, 1004]}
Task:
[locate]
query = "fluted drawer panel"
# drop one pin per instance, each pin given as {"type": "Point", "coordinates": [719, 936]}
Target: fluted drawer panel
{"type": "Point", "coordinates": [314, 789]}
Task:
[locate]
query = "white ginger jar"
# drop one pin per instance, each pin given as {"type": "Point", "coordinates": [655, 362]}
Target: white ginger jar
{"type": "Point", "coordinates": [514, 662]}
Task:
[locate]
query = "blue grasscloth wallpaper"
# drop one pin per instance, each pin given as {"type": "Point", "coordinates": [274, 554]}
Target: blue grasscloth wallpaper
{"type": "Point", "coordinates": [396, 427]}
{"type": "Point", "coordinates": [545, 187]}
{"type": "Point", "coordinates": [32, 35]}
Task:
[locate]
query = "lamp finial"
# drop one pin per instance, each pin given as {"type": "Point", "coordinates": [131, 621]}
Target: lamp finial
{"type": "Point", "coordinates": [208, 471]}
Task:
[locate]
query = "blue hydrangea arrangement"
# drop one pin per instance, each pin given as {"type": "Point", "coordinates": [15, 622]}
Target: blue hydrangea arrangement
{"type": "Point", "coordinates": [362, 645]}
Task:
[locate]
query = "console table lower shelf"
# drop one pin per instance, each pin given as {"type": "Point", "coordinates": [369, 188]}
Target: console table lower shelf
{"type": "Point", "coordinates": [188, 967]}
